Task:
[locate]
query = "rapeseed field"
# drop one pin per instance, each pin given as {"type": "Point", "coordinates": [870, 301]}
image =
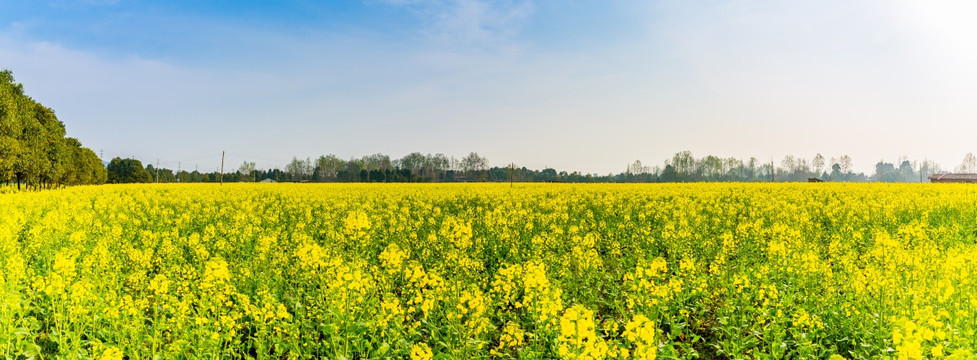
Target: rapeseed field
{"type": "Point", "coordinates": [463, 271]}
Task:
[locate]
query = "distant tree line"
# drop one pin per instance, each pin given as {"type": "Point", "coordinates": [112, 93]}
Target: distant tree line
{"type": "Point", "coordinates": [34, 150]}
{"type": "Point", "coordinates": [684, 167]}
{"type": "Point", "coordinates": [418, 167]}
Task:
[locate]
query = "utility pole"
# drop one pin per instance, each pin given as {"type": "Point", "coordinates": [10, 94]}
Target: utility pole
{"type": "Point", "coordinates": [511, 165]}
{"type": "Point", "coordinates": [178, 171]}
{"type": "Point", "coordinates": [773, 171]}
{"type": "Point", "coordinates": [157, 170]}
{"type": "Point", "coordinates": [222, 168]}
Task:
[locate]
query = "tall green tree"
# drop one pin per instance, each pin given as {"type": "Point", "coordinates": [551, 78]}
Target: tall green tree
{"type": "Point", "coordinates": [52, 142]}
{"type": "Point", "coordinates": [88, 168]}
{"type": "Point", "coordinates": [10, 125]}
{"type": "Point", "coordinates": [33, 146]}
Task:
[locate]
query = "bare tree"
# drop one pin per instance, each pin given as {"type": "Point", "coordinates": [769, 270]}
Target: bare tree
{"type": "Point", "coordinates": [803, 166]}
{"type": "Point", "coordinates": [328, 167]}
{"type": "Point", "coordinates": [969, 163]}
{"type": "Point", "coordinates": [474, 164]}
{"type": "Point", "coordinates": [299, 169]}
{"type": "Point", "coordinates": [637, 168]}
{"type": "Point", "coordinates": [751, 168]}
{"type": "Point", "coordinates": [413, 162]}
{"type": "Point", "coordinates": [845, 162]}
{"type": "Point", "coordinates": [788, 164]}
{"type": "Point", "coordinates": [818, 164]}
{"type": "Point", "coordinates": [684, 163]}
{"type": "Point", "coordinates": [307, 168]}
{"type": "Point", "coordinates": [352, 167]}
{"type": "Point", "coordinates": [928, 167]}
{"type": "Point", "coordinates": [247, 171]}
{"type": "Point", "coordinates": [441, 164]}
{"type": "Point", "coordinates": [711, 166]}
{"type": "Point", "coordinates": [733, 166]}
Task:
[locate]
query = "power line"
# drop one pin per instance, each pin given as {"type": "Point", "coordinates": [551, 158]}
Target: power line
{"type": "Point", "coordinates": [258, 158]}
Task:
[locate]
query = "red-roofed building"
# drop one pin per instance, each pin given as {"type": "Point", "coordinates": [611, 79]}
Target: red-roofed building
{"type": "Point", "coordinates": [953, 178]}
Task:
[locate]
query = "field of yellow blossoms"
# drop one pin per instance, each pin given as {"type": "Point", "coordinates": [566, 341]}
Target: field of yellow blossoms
{"type": "Point", "coordinates": [463, 271]}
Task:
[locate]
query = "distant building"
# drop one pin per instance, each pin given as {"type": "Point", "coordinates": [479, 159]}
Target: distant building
{"type": "Point", "coordinates": [953, 178]}
{"type": "Point", "coordinates": [267, 180]}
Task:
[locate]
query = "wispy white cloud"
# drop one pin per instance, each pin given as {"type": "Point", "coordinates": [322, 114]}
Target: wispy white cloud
{"type": "Point", "coordinates": [374, 97]}
{"type": "Point", "coordinates": [469, 22]}
{"type": "Point", "coordinates": [741, 79]}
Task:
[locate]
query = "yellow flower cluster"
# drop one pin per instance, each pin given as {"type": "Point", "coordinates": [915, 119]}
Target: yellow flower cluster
{"type": "Point", "coordinates": [392, 258]}
{"type": "Point", "coordinates": [423, 271]}
{"type": "Point", "coordinates": [420, 351]}
{"type": "Point", "coordinates": [527, 287]}
{"type": "Point", "coordinates": [640, 331]}
{"type": "Point", "coordinates": [578, 337]}
{"type": "Point", "coordinates": [650, 285]}
{"type": "Point", "coordinates": [920, 339]}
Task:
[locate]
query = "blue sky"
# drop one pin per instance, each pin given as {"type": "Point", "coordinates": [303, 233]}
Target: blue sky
{"type": "Point", "coordinates": [575, 85]}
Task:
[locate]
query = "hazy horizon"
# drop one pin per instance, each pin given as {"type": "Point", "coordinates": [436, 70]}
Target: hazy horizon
{"type": "Point", "coordinates": [577, 86]}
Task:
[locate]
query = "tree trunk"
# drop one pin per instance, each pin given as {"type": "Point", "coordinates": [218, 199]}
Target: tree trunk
{"type": "Point", "coordinates": [18, 181]}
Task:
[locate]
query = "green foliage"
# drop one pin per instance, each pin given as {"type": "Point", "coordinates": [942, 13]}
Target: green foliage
{"type": "Point", "coordinates": [124, 171]}
{"type": "Point", "coordinates": [33, 146]}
